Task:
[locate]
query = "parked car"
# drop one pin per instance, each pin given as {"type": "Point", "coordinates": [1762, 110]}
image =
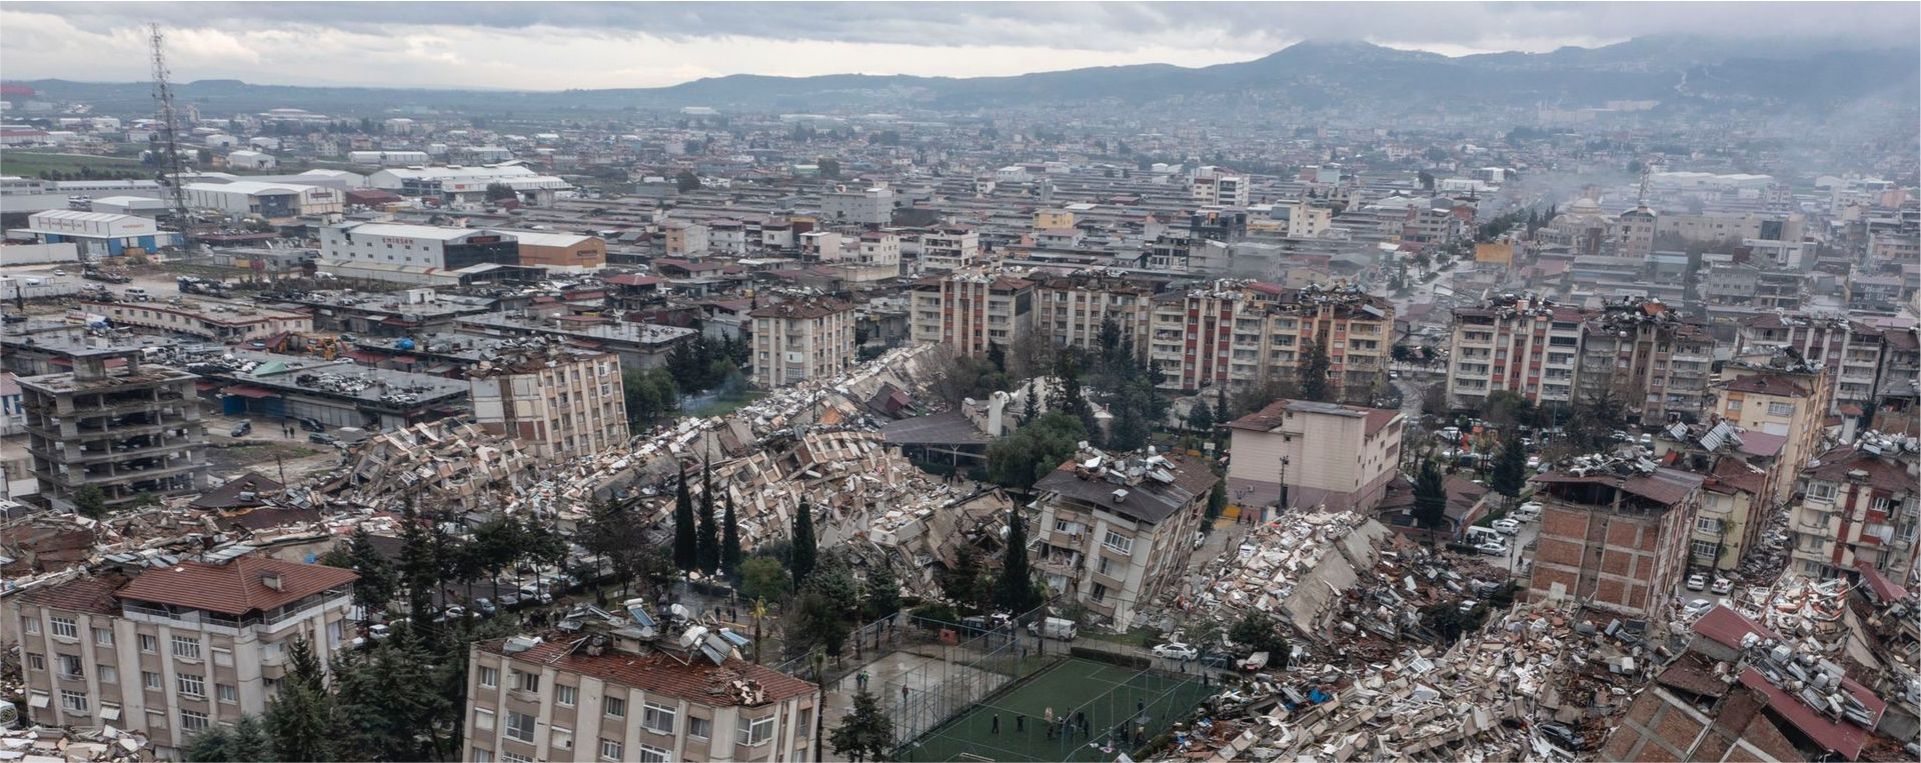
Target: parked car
{"type": "Point", "coordinates": [1721, 587]}
{"type": "Point", "coordinates": [486, 606]}
{"type": "Point", "coordinates": [1507, 525]}
{"type": "Point", "coordinates": [241, 429]}
{"type": "Point", "coordinates": [1059, 629]}
{"type": "Point", "coordinates": [1492, 548]}
{"type": "Point", "coordinates": [1175, 650]}
{"type": "Point", "coordinates": [1697, 608]}
{"type": "Point", "coordinates": [455, 612]}
{"type": "Point", "coordinates": [1218, 659]}
{"type": "Point", "coordinates": [1254, 661]}
{"type": "Point", "coordinates": [1562, 735]}
{"type": "Point", "coordinates": [311, 425]}
{"type": "Point", "coordinates": [1697, 582]}
{"type": "Point", "coordinates": [322, 438]}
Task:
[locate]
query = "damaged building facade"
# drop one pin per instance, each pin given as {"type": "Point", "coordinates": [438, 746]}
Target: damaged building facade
{"type": "Point", "coordinates": [1614, 533]}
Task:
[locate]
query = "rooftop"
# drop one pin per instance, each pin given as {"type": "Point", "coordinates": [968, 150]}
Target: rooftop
{"type": "Point", "coordinates": [247, 584]}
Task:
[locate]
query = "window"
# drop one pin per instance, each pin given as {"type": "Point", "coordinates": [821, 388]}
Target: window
{"type": "Point", "coordinates": [1780, 409]}
{"type": "Point", "coordinates": [1119, 542]}
{"type": "Point", "coordinates": [65, 628]}
{"type": "Point", "coordinates": [73, 701]}
{"type": "Point", "coordinates": [71, 666]}
{"type": "Point", "coordinates": [225, 693]}
{"type": "Point", "coordinates": [36, 660]}
{"type": "Point", "coordinates": [699, 728]}
{"type": "Point", "coordinates": [483, 719]}
{"type": "Point", "coordinates": [520, 726]}
{"type": "Point", "coordinates": [224, 657]}
{"type": "Point", "coordinates": [561, 737]}
{"type": "Point", "coordinates": [1821, 490]}
{"type": "Point", "coordinates": [186, 647]}
{"type": "Point", "coordinates": [609, 749]}
{"type": "Point", "coordinates": [514, 757]}
{"type": "Point", "coordinates": [490, 677]}
{"type": "Point", "coordinates": [192, 721]}
{"type": "Point", "coordinates": [528, 682]}
{"type": "Point", "coordinates": [149, 644]}
{"type": "Point", "coordinates": [1705, 549]}
{"type": "Point", "coordinates": [614, 707]}
{"type": "Point", "coordinates": [1734, 405]}
{"type": "Point", "coordinates": [33, 626]}
{"type": "Point", "coordinates": [658, 718]}
{"type": "Point", "coordinates": [1707, 525]}
{"type": "Point", "coordinates": [1100, 592]}
{"type": "Point", "coordinates": [803, 721]}
{"type": "Point", "coordinates": [564, 694]}
{"type": "Point", "coordinates": [754, 732]}
{"type": "Point", "coordinates": [651, 755]}
{"type": "Point", "coordinates": [150, 679]}
{"type": "Point", "coordinates": [483, 756]}
{"type": "Point", "coordinates": [109, 674]}
{"type": "Point", "coordinates": [103, 636]}
{"type": "Point", "coordinates": [190, 685]}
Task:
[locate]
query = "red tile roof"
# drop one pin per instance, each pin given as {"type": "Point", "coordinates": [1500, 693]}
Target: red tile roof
{"type": "Point", "coordinates": [700, 681]}
{"type": "Point", "coordinates": [235, 588]}
{"type": "Point", "coordinates": [91, 593]}
{"type": "Point", "coordinates": [1882, 474]}
{"type": "Point", "coordinates": [1766, 384]}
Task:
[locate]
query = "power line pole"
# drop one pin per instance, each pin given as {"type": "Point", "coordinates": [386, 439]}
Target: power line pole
{"type": "Point", "coordinates": [170, 141]}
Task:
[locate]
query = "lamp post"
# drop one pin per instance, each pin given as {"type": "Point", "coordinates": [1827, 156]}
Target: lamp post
{"type": "Point", "coordinates": [1283, 504]}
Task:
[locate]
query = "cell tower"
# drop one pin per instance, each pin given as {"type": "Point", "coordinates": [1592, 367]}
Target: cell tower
{"type": "Point", "coordinates": [170, 142]}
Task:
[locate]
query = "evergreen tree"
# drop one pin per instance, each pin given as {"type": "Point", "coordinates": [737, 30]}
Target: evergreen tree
{"type": "Point", "coordinates": [997, 356]}
{"type": "Point", "coordinates": [248, 741]}
{"type": "Point", "coordinates": [378, 581]}
{"type": "Point", "coordinates": [1430, 497]}
{"type": "Point", "coordinates": [1220, 404]}
{"type": "Point", "coordinates": [1199, 418]}
{"type": "Point", "coordinates": [90, 501]}
{"type": "Point", "coordinates": [1069, 399]}
{"type": "Point", "coordinates": [1028, 406]}
{"type": "Point", "coordinates": [1216, 502]}
{"type": "Point", "coordinates": [418, 566]}
{"type": "Point", "coordinates": [962, 582]}
{"type": "Point", "coordinates": [1130, 431]}
{"type": "Point", "coordinates": [1510, 469]}
{"type": "Point", "coordinates": [708, 552]}
{"type": "Point", "coordinates": [730, 553]}
{"type": "Point", "coordinates": [1015, 591]}
{"type": "Point", "coordinates": [686, 546]}
{"type": "Point", "coordinates": [866, 733]}
{"type": "Point", "coordinates": [883, 592]}
{"type": "Point", "coordinates": [805, 554]}
{"type": "Point", "coordinates": [300, 717]}
{"type": "Point", "coordinates": [1314, 365]}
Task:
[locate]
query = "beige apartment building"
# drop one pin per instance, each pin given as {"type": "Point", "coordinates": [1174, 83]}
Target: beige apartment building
{"type": "Point", "coordinates": [802, 339]}
{"type": "Point", "coordinates": [610, 687]}
{"type": "Point", "coordinates": [951, 247]}
{"type": "Point", "coordinates": [173, 650]}
{"type": "Point", "coordinates": [559, 401]}
{"type": "Point", "coordinates": [684, 239]}
{"type": "Point", "coordinates": [1240, 333]}
{"type": "Point", "coordinates": [1858, 506]}
{"type": "Point", "coordinates": [1072, 310]}
{"type": "Point", "coordinates": [970, 310]}
{"type": "Point", "coordinates": [1653, 360]}
{"type": "Point", "coordinates": [1789, 403]}
{"type": "Point", "coordinates": [1117, 530]}
{"type": "Point", "coordinates": [1525, 345]}
{"type": "Point", "coordinates": [1339, 457]}
{"type": "Point", "coordinates": [1854, 352]}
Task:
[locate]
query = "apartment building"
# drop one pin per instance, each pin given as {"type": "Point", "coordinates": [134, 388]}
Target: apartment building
{"type": "Point", "coordinates": [1614, 535]}
{"type": "Point", "coordinates": [1853, 351]}
{"type": "Point", "coordinates": [1117, 530]}
{"type": "Point", "coordinates": [1790, 402]}
{"type": "Point", "coordinates": [558, 401]}
{"type": "Point", "coordinates": [610, 686]}
{"type": "Point", "coordinates": [951, 247]}
{"type": "Point", "coordinates": [1652, 359]}
{"type": "Point", "coordinates": [867, 206]}
{"type": "Point", "coordinates": [114, 424]}
{"type": "Point", "coordinates": [802, 339]}
{"type": "Point", "coordinates": [1858, 506]}
{"type": "Point", "coordinates": [1336, 457]}
{"type": "Point", "coordinates": [1072, 310]}
{"type": "Point", "coordinates": [1738, 467]}
{"type": "Point", "coordinates": [684, 239]}
{"type": "Point", "coordinates": [1221, 190]}
{"type": "Point", "coordinates": [1732, 226]}
{"type": "Point", "coordinates": [1526, 345]}
{"type": "Point", "coordinates": [971, 310]}
{"type": "Point", "coordinates": [218, 320]}
{"type": "Point", "coordinates": [1243, 332]}
{"type": "Point", "coordinates": [173, 650]}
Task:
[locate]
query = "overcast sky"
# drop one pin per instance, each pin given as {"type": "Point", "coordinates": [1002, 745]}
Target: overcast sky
{"type": "Point", "coordinates": [557, 45]}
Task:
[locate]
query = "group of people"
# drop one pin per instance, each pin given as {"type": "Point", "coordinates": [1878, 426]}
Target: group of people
{"type": "Point", "coordinates": [1061, 727]}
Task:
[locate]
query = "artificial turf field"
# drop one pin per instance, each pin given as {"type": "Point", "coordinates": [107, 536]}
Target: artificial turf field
{"type": "Point", "coordinates": [1108, 694]}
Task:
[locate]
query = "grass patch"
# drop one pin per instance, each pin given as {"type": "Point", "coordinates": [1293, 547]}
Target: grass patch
{"type": "Point", "coordinates": [727, 403]}
{"type": "Point", "coordinates": [32, 163]}
{"type": "Point", "coordinates": [1140, 637]}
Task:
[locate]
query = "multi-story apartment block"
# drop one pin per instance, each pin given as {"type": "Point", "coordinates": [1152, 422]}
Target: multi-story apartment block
{"type": "Point", "coordinates": [128, 430]}
{"type": "Point", "coordinates": [558, 401]}
{"type": "Point", "coordinates": [867, 206]}
{"type": "Point", "coordinates": [1738, 467]}
{"type": "Point", "coordinates": [1614, 535]}
{"type": "Point", "coordinates": [1732, 226]}
{"type": "Point", "coordinates": [176, 649]}
{"type": "Point", "coordinates": [802, 339]}
{"type": "Point", "coordinates": [951, 247]}
{"type": "Point", "coordinates": [971, 310]}
{"type": "Point", "coordinates": [1118, 533]}
{"type": "Point", "coordinates": [684, 239]}
{"type": "Point", "coordinates": [1653, 360]}
{"type": "Point", "coordinates": [1852, 351]}
{"type": "Point", "coordinates": [1791, 402]}
{"type": "Point", "coordinates": [1221, 190]}
{"type": "Point", "coordinates": [1858, 506]}
{"type": "Point", "coordinates": [1242, 332]}
{"type": "Point", "coordinates": [1072, 310]}
{"type": "Point", "coordinates": [626, 687]}
{"type": "Point", "coordinates": [1525, 345]}
{"type": "Point", "coordinates": [1339, 457]}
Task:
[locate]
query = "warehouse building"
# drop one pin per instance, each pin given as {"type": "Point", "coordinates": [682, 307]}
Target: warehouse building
{"type": "Point", "coordinates": [274, 201]}
{"type": "Point", "coordinates": [463, 183]}
{"type": "Point", "coordinates": [96, 234]}
{"type": "Point", "coordinates": [423, 246]}
{"type": "Point", "coordinates": [560, 250]}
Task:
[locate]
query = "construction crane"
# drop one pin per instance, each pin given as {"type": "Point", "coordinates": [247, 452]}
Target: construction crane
{"type": "Point", "coordinates": [170, 142]}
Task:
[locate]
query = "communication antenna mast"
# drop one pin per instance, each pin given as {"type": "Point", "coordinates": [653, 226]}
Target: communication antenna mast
{"type": "Point", "coordinates": [170, 142]}
{"type": "Point", "coordinates": [1641, 197]}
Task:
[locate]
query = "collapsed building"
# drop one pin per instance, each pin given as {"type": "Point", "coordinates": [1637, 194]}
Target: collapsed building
{"type": "Point", "coordinates": [443, 465]}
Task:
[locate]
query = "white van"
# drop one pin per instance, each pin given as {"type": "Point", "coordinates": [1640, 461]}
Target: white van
{"type": "Point", "coordinates": [136, 294]}
{"type": "Point", "coordinates": [1527, 512]}
{"type": "Point", "coordinates": [1477, 534]}
{"type": "Point", "coordinates": [1054, 628]}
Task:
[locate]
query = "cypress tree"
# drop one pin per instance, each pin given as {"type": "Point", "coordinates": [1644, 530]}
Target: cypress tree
{"type": "Point", "coordinates": [1015, 590]}
{"type": "Point", "coordinates": [686, 547]}
{"type": "Point", "coordinates": [1510, 470]}
{"type": "Point", "coordinates": [805, 555]}
{"type": "Point", "coordinates": [708, 553]}
{"type": "Point", "coordinates": [730, 554]}
{"type": "Point", "coordinates": [1430, 497]}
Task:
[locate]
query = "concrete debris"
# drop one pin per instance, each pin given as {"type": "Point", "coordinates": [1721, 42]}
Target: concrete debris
{"type": "Point", "coordinates": [76, 744]}
{"type": "Point", "coordinates": [444, 464]}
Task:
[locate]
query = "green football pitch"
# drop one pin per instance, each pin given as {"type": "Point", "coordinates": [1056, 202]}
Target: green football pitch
{"type": "Point", "coordinates": [1112, 698]}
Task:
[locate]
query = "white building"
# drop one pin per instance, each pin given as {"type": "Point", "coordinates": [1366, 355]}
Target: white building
{"type": "Point", "coordinates": [464, 183]}
{"type": "Point", "coordinates": [269, 200]}
{"type": "Point", "coordinates": [391, 244]}
{"type": "Point", "coordinates": [251, 160]}
{"type": "Point", "coordinates": [388, 158]}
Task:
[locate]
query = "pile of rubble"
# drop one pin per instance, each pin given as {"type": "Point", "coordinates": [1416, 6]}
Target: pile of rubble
{"type": "Point", "coordinates": [1294, 569]}
{"type": "Point", "coordinates": [40, 744]}
{"type": "Point", "coordinates": [444, 464]}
